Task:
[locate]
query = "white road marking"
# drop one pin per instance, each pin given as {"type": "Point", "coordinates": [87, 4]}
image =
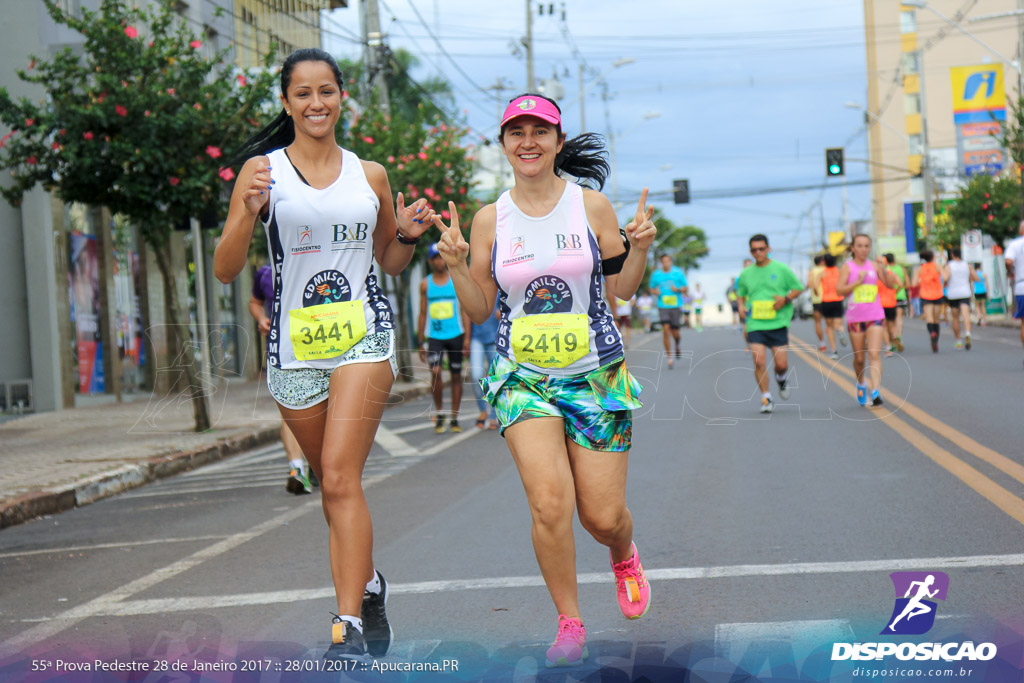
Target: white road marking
{"type": "Point", "coordinates": [121, 607]}
{"type": "Point", "coordinates": [104, 603]}
{"type": "Point", "coordinates": [392, 443]}
{"type": "Point", "coordinates": [413, 428]}
{"type": "Point", "coordinates": [105, 546]}
{"type": "Point", "coordinates": [448, 443]}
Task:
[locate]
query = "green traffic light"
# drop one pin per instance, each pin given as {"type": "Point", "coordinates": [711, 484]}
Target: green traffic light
{"type": "Point", "coordinates": [834, 169]}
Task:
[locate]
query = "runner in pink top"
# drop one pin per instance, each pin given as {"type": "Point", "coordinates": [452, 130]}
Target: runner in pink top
{"type": "Point", "coordinates": [858, 281]}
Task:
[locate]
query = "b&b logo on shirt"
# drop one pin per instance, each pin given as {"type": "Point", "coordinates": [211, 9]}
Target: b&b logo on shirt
{"type": "Point", "coordinates": [326, 287]}
{"type": "Point", "coordinates": [547, 294]}
{"type": "Point", "coordinates": [347, 237]}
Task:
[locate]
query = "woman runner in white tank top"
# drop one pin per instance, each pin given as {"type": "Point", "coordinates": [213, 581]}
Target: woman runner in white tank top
{"type": "Point", "coordinates": [328, 216]}
{"type": "Point", "coordinates": [559, 384]}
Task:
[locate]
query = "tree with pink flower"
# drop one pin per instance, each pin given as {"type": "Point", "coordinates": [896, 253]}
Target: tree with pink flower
{"type": "Point", "coordinates": [119, 129]}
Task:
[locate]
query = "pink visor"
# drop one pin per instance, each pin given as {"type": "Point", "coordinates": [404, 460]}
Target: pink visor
{"type": "Point", "coordinates": [531, 105]}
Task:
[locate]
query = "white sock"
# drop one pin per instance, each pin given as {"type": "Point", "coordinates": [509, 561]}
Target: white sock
{"type": "Point", "coordinates": [374, 585]}
{"type": "Point", "coordinates": [297, 464]}
{"type": "Point", "coordinates": [355, 621]}
{"type": "Point", "coordinates": [767, 395]}
{"type": "Point", "coordinates": [782, 377]}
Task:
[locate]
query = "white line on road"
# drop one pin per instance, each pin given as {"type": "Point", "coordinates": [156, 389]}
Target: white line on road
{"type": "Point", "coordinates": [413, 428]}
{"type": "Point", "coordinates": [448, 443]}
{"type": "Point", "coordinates": [206, 602]}
{"type": "Point", "coordinates": [104, 603]}
{"type": "Point", "coordinates": [104, 546]}
{"type": "Point", "coordinates": [392, 443]}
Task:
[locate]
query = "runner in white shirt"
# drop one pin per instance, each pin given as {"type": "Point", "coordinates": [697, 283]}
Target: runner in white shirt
{"type": "Point", "coordinates": [623, 312]}
{"type": "Point", "coordinates": [328, 216]}
{"type": "Point", "coordinates": [1015, 273]}
{"type": "Point", "coordinates": [959, 279]}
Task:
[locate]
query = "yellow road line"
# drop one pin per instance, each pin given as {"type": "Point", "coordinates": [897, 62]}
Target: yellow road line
{"type": "Point", "coordinates": [984, 453]}
{"type": "Point", "coordinates": [990, 490]}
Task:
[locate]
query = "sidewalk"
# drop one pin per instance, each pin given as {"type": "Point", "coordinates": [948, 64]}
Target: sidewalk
{"type": "Point", "coordinates": [59, 460]}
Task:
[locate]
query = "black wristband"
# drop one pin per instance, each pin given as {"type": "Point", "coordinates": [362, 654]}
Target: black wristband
{"type": "Point", "coordinates": [402, 239]}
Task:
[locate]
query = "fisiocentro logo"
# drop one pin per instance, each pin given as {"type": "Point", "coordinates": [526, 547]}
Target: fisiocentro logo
{"type": "Point", "coordinates": [914, 613]}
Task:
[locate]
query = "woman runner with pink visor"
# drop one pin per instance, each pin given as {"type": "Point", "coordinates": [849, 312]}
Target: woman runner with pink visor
{"type": "Point", "coordinates": [559, 384]}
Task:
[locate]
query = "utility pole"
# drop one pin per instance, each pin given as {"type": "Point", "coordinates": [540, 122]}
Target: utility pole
{"type": "Point", "coordinates": [531, 84]}
{"type": "Point", "coordinates": [376, 53]}
{"type": "Point", "coordinates": [611, 145]}
{"type": "Point", "coordinates": [926, 167]}
{"type": "Point", "coordinates": [583, 101]}
{"type": "Point", "coordinates": [1020, 84]}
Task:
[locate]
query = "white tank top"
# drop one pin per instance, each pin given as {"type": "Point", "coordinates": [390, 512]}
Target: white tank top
{"type": "Point", "coordinates": [551, 265]}
{"type": "Point", "coordinates": [959, 286]}
{"type": "Point", "coordinates": [321, 251]}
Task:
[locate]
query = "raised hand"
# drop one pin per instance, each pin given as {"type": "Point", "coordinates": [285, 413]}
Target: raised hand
{"type": "Point", "coordinates": [413, 220]}
{"type": "Point", "coordinates": [454, 249]}
{"type": "Point", "coordinates": [257, 194]}
{"type": "Point", "coordinates": [641, 230]}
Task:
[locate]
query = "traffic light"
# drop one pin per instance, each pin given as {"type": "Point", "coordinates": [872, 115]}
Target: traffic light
{"type": "Point", "coordinates": [681, 191]}
{"type": "Point", "coordinates": [834, 161]}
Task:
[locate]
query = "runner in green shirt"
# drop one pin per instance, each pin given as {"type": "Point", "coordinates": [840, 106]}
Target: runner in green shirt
{"type": "Point", "coordinates": [766, 292]}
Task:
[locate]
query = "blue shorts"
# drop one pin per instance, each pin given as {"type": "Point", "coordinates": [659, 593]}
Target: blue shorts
{"type": "Point", "coordinates": [1019, 313]}
{"type": "Point", "coordinates": [596, 407]}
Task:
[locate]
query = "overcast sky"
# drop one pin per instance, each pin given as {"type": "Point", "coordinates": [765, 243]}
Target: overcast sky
{"type": "Point", "coordinates": [750, 93]}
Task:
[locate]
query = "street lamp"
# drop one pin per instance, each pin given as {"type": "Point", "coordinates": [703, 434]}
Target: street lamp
{"type": "Point", "coordinates": [926, 170]}
{"type": "Point", "coordinates": [620, 62]}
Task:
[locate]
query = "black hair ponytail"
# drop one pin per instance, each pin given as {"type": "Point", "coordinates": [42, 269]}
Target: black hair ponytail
{"type": "Point", "coordinates": [584, 158]}
{"type": "Point", "coordinates": [281, 131]}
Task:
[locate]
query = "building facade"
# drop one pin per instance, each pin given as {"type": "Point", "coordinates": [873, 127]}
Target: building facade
{"type": "Point", "coordinates": [917, 96]}
{"type": "Point", "coordinates": [83, 309]}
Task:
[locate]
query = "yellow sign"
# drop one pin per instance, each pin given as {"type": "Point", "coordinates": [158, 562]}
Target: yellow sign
{"type": "Point", "coordinates": [978, 88]}
{"type": "Point", "coordinates": [837, 243]}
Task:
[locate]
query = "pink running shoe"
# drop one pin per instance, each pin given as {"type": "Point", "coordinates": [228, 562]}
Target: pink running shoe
{"type": "Point", "coordinates": [633, 591]}
{"type": "Point", "coordinates": [570, 646]}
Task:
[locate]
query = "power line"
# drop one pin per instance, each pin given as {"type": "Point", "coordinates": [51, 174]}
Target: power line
{"type": "Point", "coordinates": [443, 51]}
{"type": "Point", "coordinates": [754, 191]}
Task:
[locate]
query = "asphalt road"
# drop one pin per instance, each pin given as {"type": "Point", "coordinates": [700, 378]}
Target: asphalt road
{"type": "Point", "coordinates": [767, 538]}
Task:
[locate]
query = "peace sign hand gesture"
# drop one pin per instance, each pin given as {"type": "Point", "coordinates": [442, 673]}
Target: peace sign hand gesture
{"type": "Point", "coordinates": [414, 219]}
{"type": "Point", "coordinates": [641, 230]}
{"type": "Point", "coordinates": [454, 249]}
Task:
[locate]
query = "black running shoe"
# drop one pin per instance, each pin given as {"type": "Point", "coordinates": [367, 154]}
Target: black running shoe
{"type": "Point", "coordinates": [346, 642]}
{"type": "Point", "coordinates": [376, 628]}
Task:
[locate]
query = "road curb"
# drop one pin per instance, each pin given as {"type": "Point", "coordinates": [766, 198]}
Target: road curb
{"type": "Point", "coordinates": [122, 478]}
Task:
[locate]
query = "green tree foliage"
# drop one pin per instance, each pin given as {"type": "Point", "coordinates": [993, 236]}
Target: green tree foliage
{"type": "Point", "coordinates": [406, 97]}
{"type": "Point", "coordinates": [137, 122]}
{"type": "Point", "coordinates": [422, 147]}
{"type": "Point", "coordinates": [687, 244]}
{"type": "Point", "coordinates": [990, 204]}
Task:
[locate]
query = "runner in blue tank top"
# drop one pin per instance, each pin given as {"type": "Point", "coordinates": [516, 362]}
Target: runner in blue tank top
{"type": "Point", "coordinates": [442, 329]}
{"type": "Point", "coordinates": [559, 384]}
{"type": "Point", "coordinates": [331, 348]}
